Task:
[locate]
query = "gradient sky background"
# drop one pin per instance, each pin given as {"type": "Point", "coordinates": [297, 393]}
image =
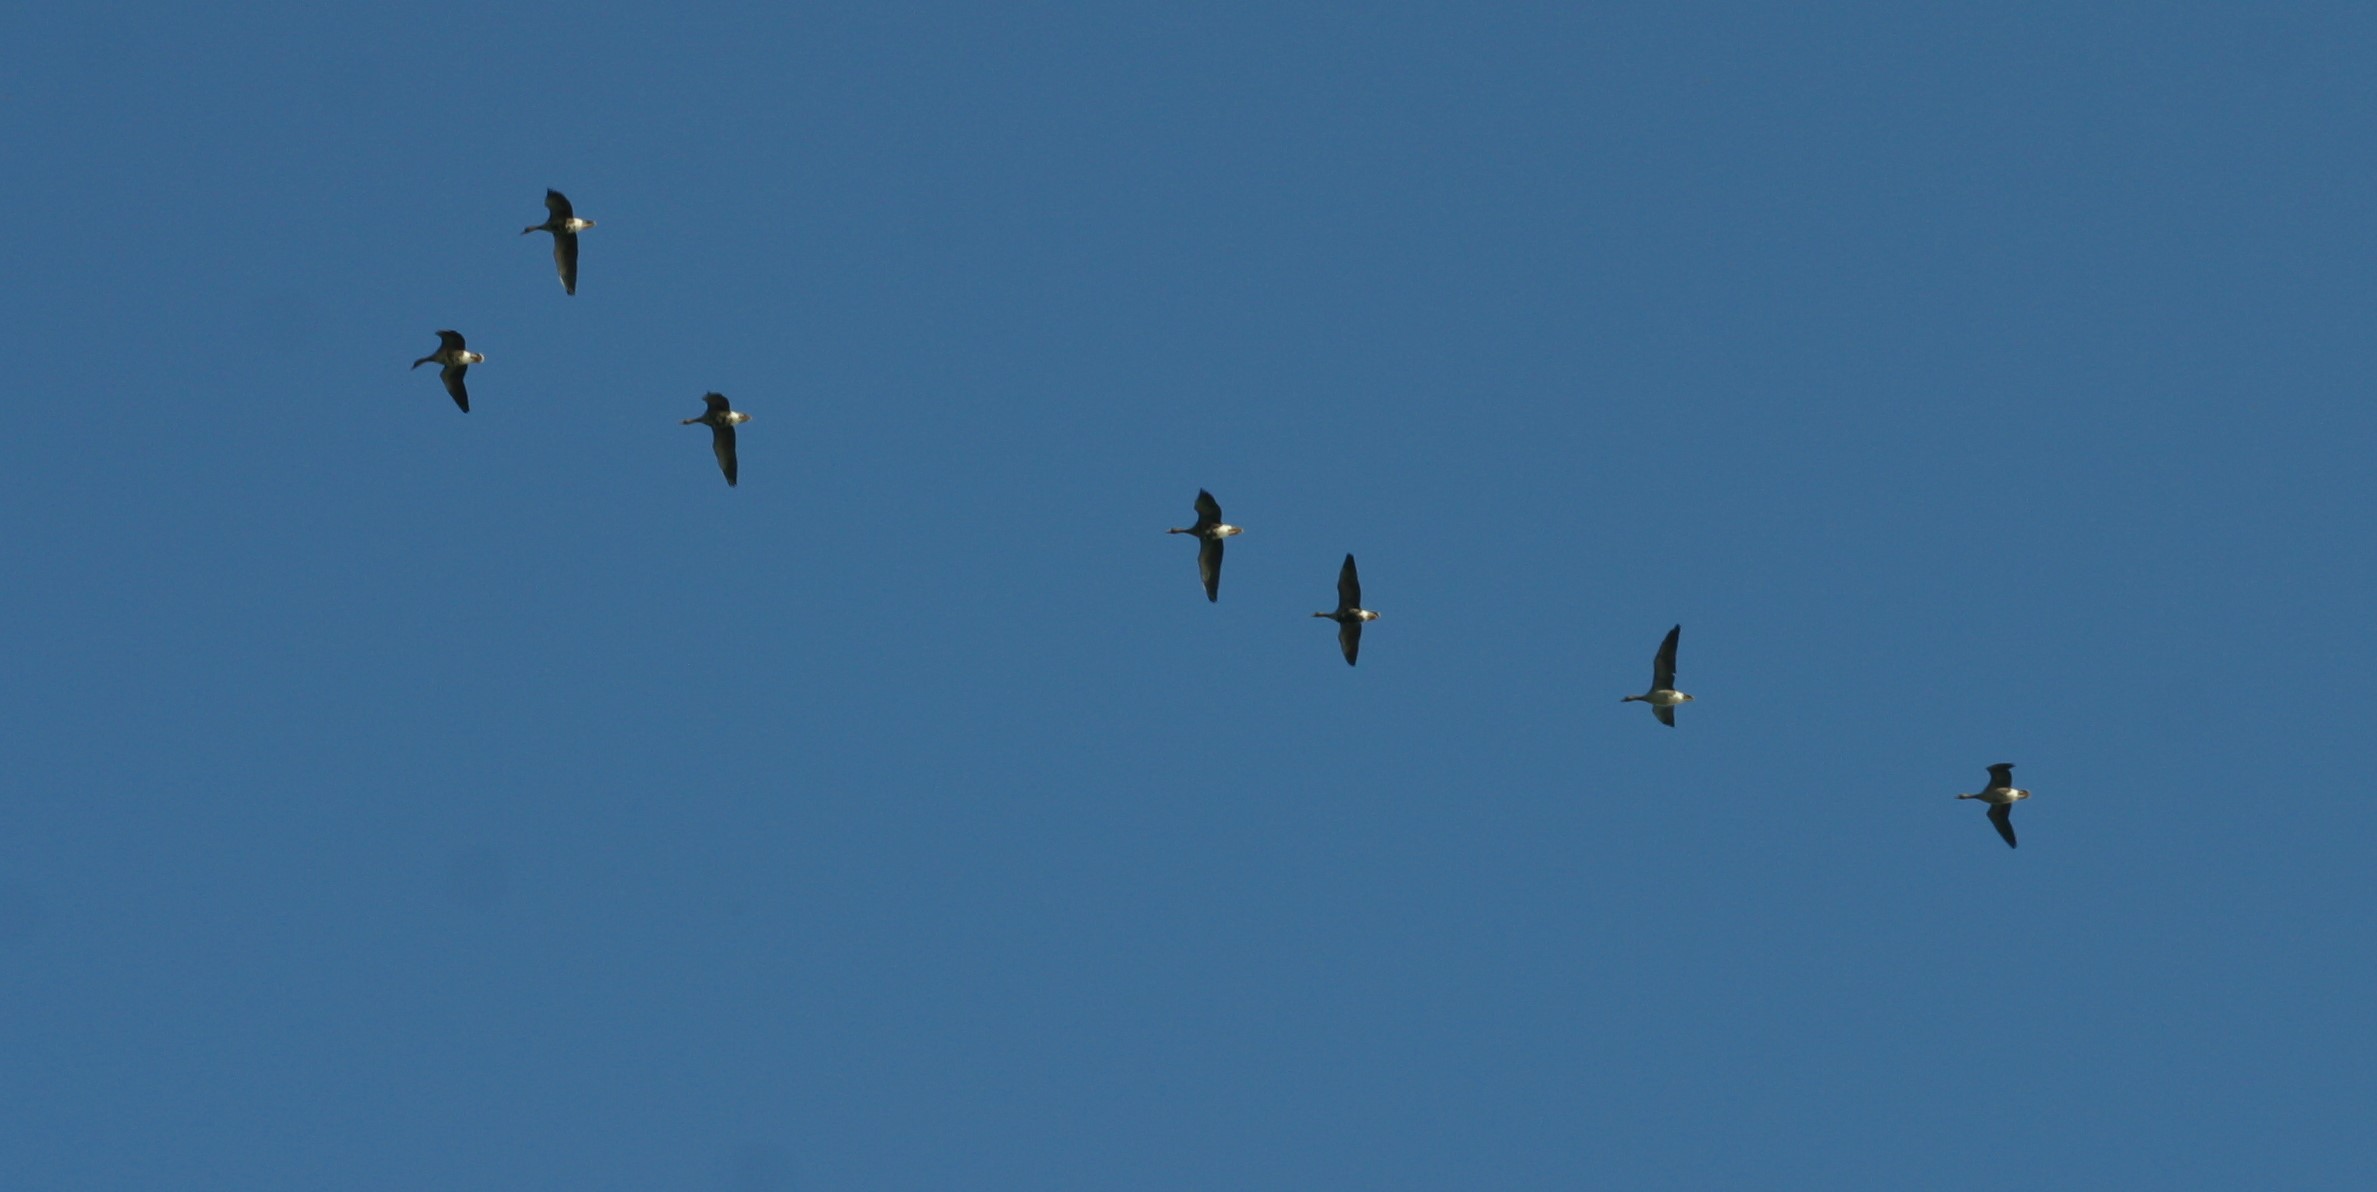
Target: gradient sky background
{"type": "Point", "coordinates": [399, 799]}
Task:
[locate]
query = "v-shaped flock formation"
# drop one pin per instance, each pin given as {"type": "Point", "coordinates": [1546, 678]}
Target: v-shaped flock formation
{"type": "Point", "coordinates": [1210, 531]}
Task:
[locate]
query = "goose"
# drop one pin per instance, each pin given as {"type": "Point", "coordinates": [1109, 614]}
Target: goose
{"type": "Point", "coordinates": [1210, 531]}
{"type": "Point", "coordinates": [457, 361]}
{"type": "Point", "coordinates": [565, 226]}
{"type": "Point", "coordinates": [1350, 614]}
{"type": "Point", "coordinates": [722, 421]}
{"type": "Point", "coordinates": [1663, 697]}
{"type": "Point", "coordinates": [2001, 794]}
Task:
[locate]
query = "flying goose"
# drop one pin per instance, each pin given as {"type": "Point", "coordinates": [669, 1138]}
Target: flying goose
{"type": "Point", "coordinates": [2001, 794]}
{"type": "Point", "coordinates": [1350, 614]}
{"type": "Point", "coordinates": [565, 226]}
{"type": "Point", "coordinates": [1663, 697]}
{"type": "Point", "coordinates": [722, 421]}
{"type": "Point", "coordinates": [457, 361]}
{"type": "Point", "coordinates": [1210, 531]}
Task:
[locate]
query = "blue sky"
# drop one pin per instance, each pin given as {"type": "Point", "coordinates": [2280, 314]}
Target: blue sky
{"type": "Point", "coordinates": [402, 799]}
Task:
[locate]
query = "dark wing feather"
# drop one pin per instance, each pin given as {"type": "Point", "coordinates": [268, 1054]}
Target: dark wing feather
{"type": "Point", "coordinates": [2001, 774]}
{"type": "Point", "coordinates": [2002, 815]}
{"type": "Point", "coordinates": [558, 205]}
{"type": "Point", "coordinates": [1209, 567]}
{"type": "Point", "coordinates": [452, 376]}
{"type": "Point", "coordinates": [1663, 667]}
{"type": "Point", "coordinates": [1349, 638]}
{"type": "Point", "coordinates": [565, 259]}
{"type": "Point", "coordinates": [449, 341]}
{"type": "Point", "coordinates": [1209, 511]}
{"type": "Point", "coordinates": [722, 444]}
{"type": "Point", "coordinates": [1665, 713]}
{"type": "Point", "coordinates": [1349, 589]}
{"type": "Point", "coordinates": [717, 403]}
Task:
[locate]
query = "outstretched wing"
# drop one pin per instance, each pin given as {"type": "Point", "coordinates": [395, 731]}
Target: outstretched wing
{"type": "Point", "coordinates": [452, 376]}
{"type": "Point", "coordinates": [717, 403]}
{"type": "Point", "coordinates": [1665, 713]}
{"type": "Point", "coordinates": [1663, 667]}
{"type": "Point", "coordinates": [449, 341]}
{"type": "Point", "coordinates": [1209, 567]}
{"type": "Point", "coordinates": [1349, 638]}
{"type": "Point", "coordinates": [565, 259]}
{"type": "Point", "coordinates": [2002, 815]}
{"type": "Point", "coordinates": [2001, 774]}
{"type": "Point", "coordinates": [1209, 511]}
{"type": "Point", "coordinates": [722, 444]}
{"type": "Point", "coordinates": [1349, 595]}
{"type": "Point", "coordinates": [558, 205]}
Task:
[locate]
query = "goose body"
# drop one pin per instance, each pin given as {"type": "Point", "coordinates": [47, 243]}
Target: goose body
{"type": "Point", "coordinates": [722, 419]}
{"type": "Point", "coordinates": [456, 360]}
{"type": "Point", "coordinates": [2001, 794]}
{"type": "Point", "coordinates": [1349, 614]}
{"type": "Point", "coordinates": [1209, 530]}
{"type": "Point", "coordinates": [1663, 697]}
{"type": "Point", "coordinates": [563, 222]}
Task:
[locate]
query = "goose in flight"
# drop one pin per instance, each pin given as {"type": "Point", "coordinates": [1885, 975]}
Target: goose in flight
{"type": "Point", "coordinates": [565, 226]}
{"type": "Point", "coordinates": [457, 361]}
{"type": "Point", "coordinates": [1663, 697]}
{"type": "Point", "coordinates": [2001, 794]}
{"type": "Point", "coordinates": [1209, 531]}
{"type": "Point", "coordinates": [722, 420]}
{"type": "Point", "coordinates": [1350, 614]}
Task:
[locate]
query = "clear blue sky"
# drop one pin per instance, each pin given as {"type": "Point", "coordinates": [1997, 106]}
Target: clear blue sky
{"type": "Point", "coordinates": [399, 799]}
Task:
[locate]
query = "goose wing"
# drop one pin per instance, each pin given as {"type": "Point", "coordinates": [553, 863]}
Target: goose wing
{"type": "Point", "coordinates": [557, 204]}
{"type": "Point", "coordinates": [1349, 594]}
{"type": "Point", "coordinates": [1209, 514]}
{"type": "Point", "coordinates": [1209, 566]}
{"type": "Point", "coordinates": [2001, 774]}
{"type": "Point", "coordinates": [452, 376]}
{"type": "Point", "coordinates": [717, 403]}
{"type": "Point", "coordinates": [2001, 816]}
{"type": "Point", "coordinates": [449, 341]}
{"type": "Point", "coordinates": [1349, 638]}
{"type": "Point", "coordinates": [1665, 713]}
{"type": "Point", "coordinates": [565, 260]}
{"type": "Point", "coordinates": [722, 444]}
{"type": "Point", "coordinates": [1663, 667]}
